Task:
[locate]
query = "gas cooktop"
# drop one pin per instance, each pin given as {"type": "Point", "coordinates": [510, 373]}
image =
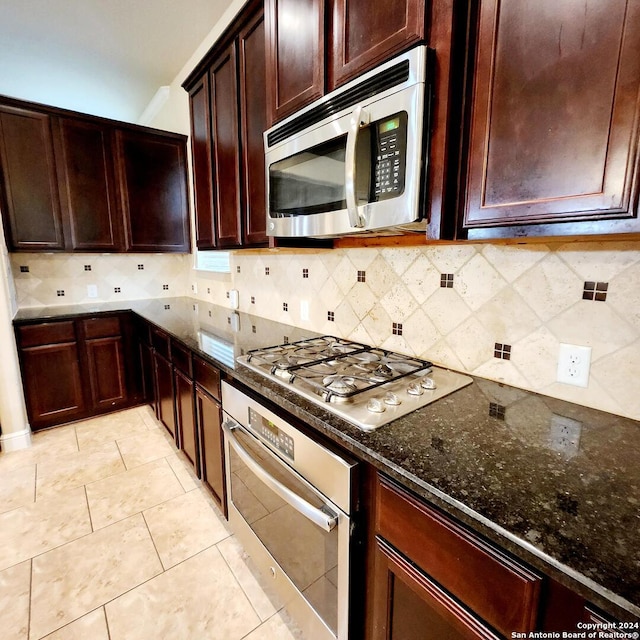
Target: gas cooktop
{"type": "Point", "coordinates": [366, 386]}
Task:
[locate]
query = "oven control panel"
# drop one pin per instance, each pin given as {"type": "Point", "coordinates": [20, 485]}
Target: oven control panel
{"type": "Point", "coordinates": [269, 432]}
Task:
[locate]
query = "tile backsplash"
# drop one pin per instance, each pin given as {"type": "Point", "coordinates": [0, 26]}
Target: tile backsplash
{"type": "Point", "coordinates": [496, 311]}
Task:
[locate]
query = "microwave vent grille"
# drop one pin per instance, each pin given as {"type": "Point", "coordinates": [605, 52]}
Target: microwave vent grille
{"type": "Point", "coordinates": [391, 77]}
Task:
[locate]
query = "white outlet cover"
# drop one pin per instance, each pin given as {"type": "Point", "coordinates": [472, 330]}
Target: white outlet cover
{"type": "Point", "coordinates": [92, 291]}
{"type": "Point", "coordinates": [574, 362]}
{"type": "Point", "coordinates": [304, 310]}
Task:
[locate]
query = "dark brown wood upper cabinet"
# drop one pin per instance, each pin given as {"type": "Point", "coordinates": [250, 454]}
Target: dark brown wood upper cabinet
{"type": "Point", "coordinates": [553, 143]}
{"type": "Point", "coordinates": [226, 148]}
{"type": "Point", "coordinates": [253, 122]}
{"type": "Point", "coordinates": [92, 219]}
{"type": "Point", "coordinates": [365, 33]}
{"type": "Point", "coordinates": [295, 31]}
{"type": "Point", "coordinates": [200, 116]}
{"type": "Point", "coordinates": [29, 195]}
{"type": "Point", "coordinates": [152, 175]}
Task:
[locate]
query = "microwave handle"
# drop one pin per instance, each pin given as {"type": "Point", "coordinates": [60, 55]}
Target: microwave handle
{"type": "Point", "coordinates": [321, 519]}
{"type": "Point", "coordinates": [359, 118]}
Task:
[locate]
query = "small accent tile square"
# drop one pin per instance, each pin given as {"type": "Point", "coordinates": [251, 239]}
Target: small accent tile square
{"type": "Point", "coordinates": [502, 351]}
{"type": "Point", "coordinates": [228, 319]}
{"type": "Point", "coordinates": [397, 328]}
{"type": "Point", "coordinates": [253, 328]}
{"type": "Point", "coordinates": [238, 268]}
{"type": "Point", "coordinates": [117, 290]}
{"type": "Point", "coordinates": [165, 287]}
{"type": "Point", "coordinates": [24, 269]}
{"type": "Point", "coordinates": [331, 316]}
{"type": "Point", "coordinates": [446, 280]}
{"type": "Point", "coordinates": [87, 267]}
{"type": "Point", "coordinates": [266, 271]}
{"type": "Point", "coordinates": [60, 292]}
{"type": "Point", "coordinates": [210, 314]}
{"type": "Point", "coordinates": [167, 307]}
{"type": "Point", "coordinates": [362, 276]}
{"type": "Point", "coordinates": [305, 273]}
{"type": "Point", "coordinates": [227, 295]}
{"type": "Point", "coordinates": [253, 299]}
{"type": "Point", "coordinates": [497, 410]}
{"type": "Point", "coordinates": [208, 289]}
{"type": "Point", "coordinates": [140, 267]}
{"type": "Point", "coordinates": [285, 306]}
{"type": "Point", "coordinates": [595, 291]}
{"type": "Point", "coordinates": [285, 339]}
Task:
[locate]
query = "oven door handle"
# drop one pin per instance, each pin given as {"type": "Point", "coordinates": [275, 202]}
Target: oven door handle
{"type": "Point", "coordinates": [359, 118]}
{"type": "Point", "coordinates": [325, 521]}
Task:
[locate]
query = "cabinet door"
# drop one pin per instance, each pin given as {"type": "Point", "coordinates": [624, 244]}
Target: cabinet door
{"type": "Point", "coordinates": [186, 417]}
{"type": "Point", "coordinates": [295, 52]}
{"type": "Point", "coordinates": [29, 196]}
{"type": "Point", "coordinates": [105, 357]}
{"type": "Point", "coordinates": [226, 148]}
{"type": "Point", "coordinates": [153, 183]}
{"type": "Point", "coordinates": [87, 186]}
{"type": "Point", "coordinates": [52, 383]}
{"type": "Point", "coordinates": [165, 410]}
{"type": "Point", "coordinates": [365, 33]}
{"type": "Point", "coordinates": [554, 118]}
{"type": "Point", "coordinates": [200, 111]}
{"type": "Point", "coordinates": [253, 120]}
{"type": "Point", "coordinates": [408, 605]}
{"type": "Point", "coordinates": [212, 452]}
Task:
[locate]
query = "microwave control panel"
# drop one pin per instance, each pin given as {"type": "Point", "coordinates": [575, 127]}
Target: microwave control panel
{"type": "Point", "coordinates": [390, 149]}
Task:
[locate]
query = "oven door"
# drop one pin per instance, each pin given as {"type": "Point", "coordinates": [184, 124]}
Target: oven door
{"type": "Point", "coordinates": [291, 531]}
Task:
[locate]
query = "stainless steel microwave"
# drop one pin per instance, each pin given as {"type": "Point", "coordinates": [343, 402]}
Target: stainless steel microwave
{"type": "Point", "coordinates": [355, 160]}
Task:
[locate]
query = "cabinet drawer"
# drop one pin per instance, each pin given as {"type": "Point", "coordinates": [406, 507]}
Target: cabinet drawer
{"type": "Point", "coordinates": [207, 376]}
{"type": "Point", "coordinates": [101, 327]}
{"type": "Point", "coordinates": [160, 342]}
{"type": "Point", "coordinates": [181, 358]}
{"type": "Point", "coordinates": [498, 589]}
{"type": "Point", "coordinates": [46, 333]}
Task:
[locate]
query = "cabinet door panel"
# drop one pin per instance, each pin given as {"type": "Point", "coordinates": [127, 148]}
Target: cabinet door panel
{"type": "Point", "coordinates": [87, 186]}
{"type": "Point", "coordinates": [200, 110]}
{"type": "Point", "coordinates": [409, 606]}
{"type": "Point", "coordinates": [185, 413]}
{"type": "Point", "coordinates": [212, 452]}
{"type": "Point", "coordinates": [365, 33]}
{"type": "Point", "coordinates": [226, 148]}
{"type": "Point", "coordinates": [164, 394]}
{"type": "Point", "coordinates": [554, 123]}
{"type": "Point", "coordinates": [29, 200]}
{"type": "Point", "coordinates": [253, 115]}
{"type": "Point", "coordinates": [107, 372]}
{"type": "Point", "coordinates": [295, 46]}
{"type": "Point", "coordinates": [152, 174]}
{"type": "Point", "coordinates": [52, 381]}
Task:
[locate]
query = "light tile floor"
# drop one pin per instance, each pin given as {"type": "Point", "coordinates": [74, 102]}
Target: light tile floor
{"type": "Point", "coordinates": [106, 534]}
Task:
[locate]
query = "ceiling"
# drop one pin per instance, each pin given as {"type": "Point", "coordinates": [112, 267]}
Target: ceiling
{"type": "Point", "coordinates": [106, 57]}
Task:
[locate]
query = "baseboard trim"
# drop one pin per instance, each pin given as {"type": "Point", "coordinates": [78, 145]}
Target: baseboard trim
{"type": "Point", "coordinates": [16, 441]}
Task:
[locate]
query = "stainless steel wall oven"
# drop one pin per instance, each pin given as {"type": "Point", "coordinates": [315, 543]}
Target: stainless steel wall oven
{"type": "Point", "coordinates": [291, 502]}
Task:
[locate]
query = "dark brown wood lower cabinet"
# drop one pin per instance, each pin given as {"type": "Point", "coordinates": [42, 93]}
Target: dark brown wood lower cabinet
{"type": "Point", "coordinates": [186, 417]}
{"type": "Point", "coordinates": [411, 606]}
{"type": "Point", "coordinates": [107, 372]}
{"type": "Point", "coordinates": [165, 408]}
{"type": "Point", "coordinates": [209, 424]}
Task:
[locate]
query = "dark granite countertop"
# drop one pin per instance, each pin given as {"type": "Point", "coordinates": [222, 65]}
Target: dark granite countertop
{"type": "Point", "coordinates": [555, 483]}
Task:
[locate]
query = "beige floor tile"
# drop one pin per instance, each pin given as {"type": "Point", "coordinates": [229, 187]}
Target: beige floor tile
{"type": "Point", "coordinates": [181, 605]}
{"type": "Point", "coordinates": [97, 431]}
{"type": "Point", "coordinates": [44, 444]}
{"type": "Point", "coordinates": [77, 469]}
{"type": "Point", "coordinates": [184, 472]}
{"type": "Point", "coordinates": [78, 577]}
{"type": "Point", "coordinates": [130, 492]}
{"type": "Point", "coordinates": [93, 626]}
{"type": "Point", "coordinates": [278, 627]}
{"type": "Point", "coordinates": [184, 526]}
{"type": "Point", "coordinates": [144, 447]}
{"type": "Point", "coordinates": [15, 588]}
{"type": "Point", "coordinates": [44, 525]}
{"type": "Point", "coordinates": [261, 595]}
{"type": "Point", "coordinates": [149, 418]}
{"type": "Point", "coordinates": [17, 487]}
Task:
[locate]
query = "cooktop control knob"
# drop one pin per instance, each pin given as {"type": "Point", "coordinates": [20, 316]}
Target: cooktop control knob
{"type": "Point", "coordinates": [414, 389]}
{"type": "Point", "coordinates": [375, 405]}
{"type": "Point", "coordinates": [428, 383]}
{"type": "Point", "coordinates": [391, 399]}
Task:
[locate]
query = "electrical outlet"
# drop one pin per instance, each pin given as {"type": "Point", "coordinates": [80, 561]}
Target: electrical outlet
{"type": "Point", "coordinates": [573, 365]}
{"type": "Point", "coordinates": [565, 435]}
{"type": "Point", "coordinates": [304, 310]}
